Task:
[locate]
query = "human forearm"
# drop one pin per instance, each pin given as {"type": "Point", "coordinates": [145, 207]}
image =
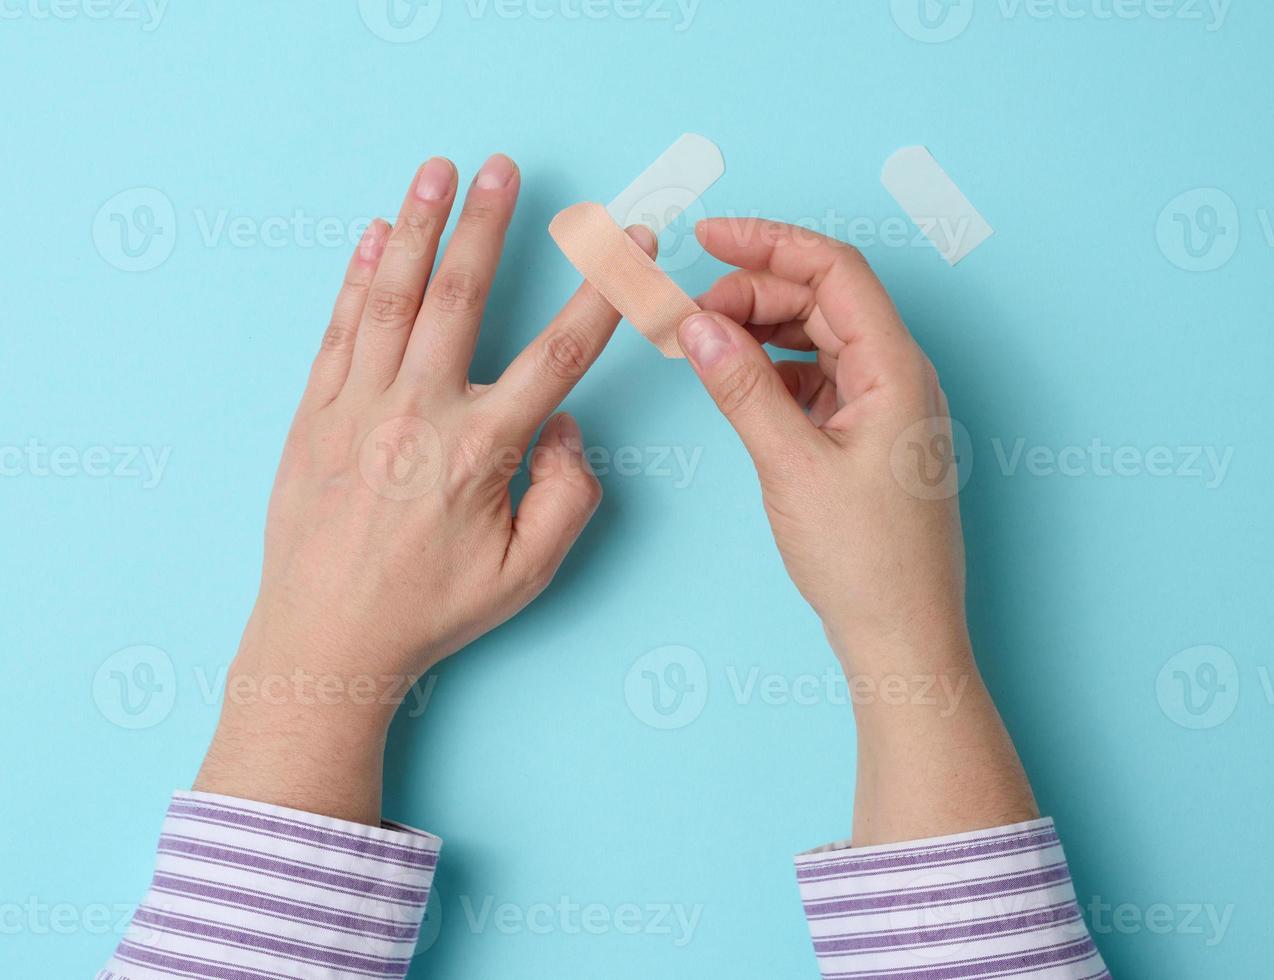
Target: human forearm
{"type": "Point", "coordinates": [305, 740]}
{"type": "Point", "coordinates": [934, 758]}
{"type": "Point", "coordinates": [860, 479]}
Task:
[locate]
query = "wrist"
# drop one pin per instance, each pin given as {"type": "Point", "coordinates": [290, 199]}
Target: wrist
{"type": "Point", "coordinates": [266, 688]}
{"type": "Point", "coordinates": [925, 644]}
{"type": "Point", "coordinates": [299, 738]}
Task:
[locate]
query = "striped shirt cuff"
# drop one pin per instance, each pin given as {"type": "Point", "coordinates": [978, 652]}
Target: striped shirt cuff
{"type": "Point", "coordinates": [993, 903]}
{"type": "Point", "coordinates": [250, 891]}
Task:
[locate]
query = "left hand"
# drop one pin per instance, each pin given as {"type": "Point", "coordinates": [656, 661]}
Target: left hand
{"type": "Point", "coordinates": [391, 540]}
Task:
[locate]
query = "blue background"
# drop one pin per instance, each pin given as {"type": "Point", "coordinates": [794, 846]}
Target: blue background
{"type": "Point", "coordinates": [1076, 322]}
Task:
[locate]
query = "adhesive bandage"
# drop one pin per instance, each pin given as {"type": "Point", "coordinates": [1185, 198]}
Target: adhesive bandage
{"type": "Point", "coordinates": [593, 238]}
{"type": "Point", "coordinates": [618, 269]}
{"type": "Point", "coordinates": [934, 202]}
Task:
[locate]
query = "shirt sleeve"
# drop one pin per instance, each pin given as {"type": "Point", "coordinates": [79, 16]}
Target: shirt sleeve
{"type": "Point", "coordinates": [993, 903]}
{"type": "Point", "coordinates": [250, 891]}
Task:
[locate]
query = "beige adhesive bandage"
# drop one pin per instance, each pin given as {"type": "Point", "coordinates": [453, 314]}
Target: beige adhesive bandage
{"type": "Point", "coordinates": [623, 273]}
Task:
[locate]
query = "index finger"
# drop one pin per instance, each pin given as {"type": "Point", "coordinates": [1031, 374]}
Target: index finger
{"type": "Point", "coordinates": [544, 373]}
{"type": "Point", "coordinates": [846, 290]}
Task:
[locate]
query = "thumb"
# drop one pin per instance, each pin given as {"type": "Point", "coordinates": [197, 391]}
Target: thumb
{"type": "Point", "coordinates": [746, 386]}
{"type": "Point", "coordinates": [562, 497]}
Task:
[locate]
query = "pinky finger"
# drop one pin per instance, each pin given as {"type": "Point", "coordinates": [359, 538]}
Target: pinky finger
{"type": "Point", "coordinates": [331, 365]}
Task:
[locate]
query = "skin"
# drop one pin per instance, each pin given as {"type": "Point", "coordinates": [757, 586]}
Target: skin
{"type": "Point", "coordinates": [875, 549]}
{"type": "Point", "coordinates": [391, 540]}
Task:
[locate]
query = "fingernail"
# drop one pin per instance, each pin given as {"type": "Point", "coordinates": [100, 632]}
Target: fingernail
{"type": "Point", "coordinates": [434, 182]}
{"type": "Point", "coordinates": [568, 434]}
{"type": "Point", "coordinates": [495, 173]}
{"type": "Point", "coordinates": [643, 236]}
{"type": "Point", "coordinates": [372, 244]}
{"type": "Point", "coordinates": [704, 340]}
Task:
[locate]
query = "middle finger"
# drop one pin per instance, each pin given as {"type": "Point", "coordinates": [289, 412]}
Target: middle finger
{"type": "Point", "coordinates": [446, 331]}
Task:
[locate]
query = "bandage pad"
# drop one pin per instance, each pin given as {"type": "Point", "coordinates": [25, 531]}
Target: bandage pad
{"type": "Point", "coordinates": [618, 269]}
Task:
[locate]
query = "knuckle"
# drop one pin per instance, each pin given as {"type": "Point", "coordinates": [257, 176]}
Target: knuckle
{"type": "Point", "coordinates": [591, 493]}
{"type": "Point", "coordinates": [356, 282]}
{"type": "Point", "coordinates": [337, 338]}
{"type": "Point", "coordinates": [564, 354]}
{"type": "Point", "coordinates": [458, 292]}
{"type": "Point", "coordinates": [478, 454]}
{"type": "Point", "coordinates": [481, 212]}
{"type": "Point", "coordinates": [390, 306]}
{"type": "Point", "coordinates": [848, 251]}
{"type": "Point", "coordinates": [846, 256]}
{"type": "Point", "coordinates": [413, 234]}
{"type": "Point", "coordinates": [473, 450]}
{"type": "Point", "coordinates": [919, 374]}
{"type": "Point", "coordinates": [739, 388]}
{"type": "Point", "coordinates": [537, 578]}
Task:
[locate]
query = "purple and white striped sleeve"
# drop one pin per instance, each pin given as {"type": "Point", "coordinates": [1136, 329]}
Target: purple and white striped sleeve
{"type": "Point", "coordinates": [993, 903]}
{"type": "Point", "coordinates": [250, 891]}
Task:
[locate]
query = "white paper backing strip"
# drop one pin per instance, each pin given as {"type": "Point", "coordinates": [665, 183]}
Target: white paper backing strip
{"type": "Point", "coordinates": [934, 202]}
{"type": "Point", "coordinates": [669, 185]}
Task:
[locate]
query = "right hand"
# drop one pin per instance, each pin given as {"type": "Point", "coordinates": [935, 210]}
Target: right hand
{"type": "Point", "coordinates": [849, 450]}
